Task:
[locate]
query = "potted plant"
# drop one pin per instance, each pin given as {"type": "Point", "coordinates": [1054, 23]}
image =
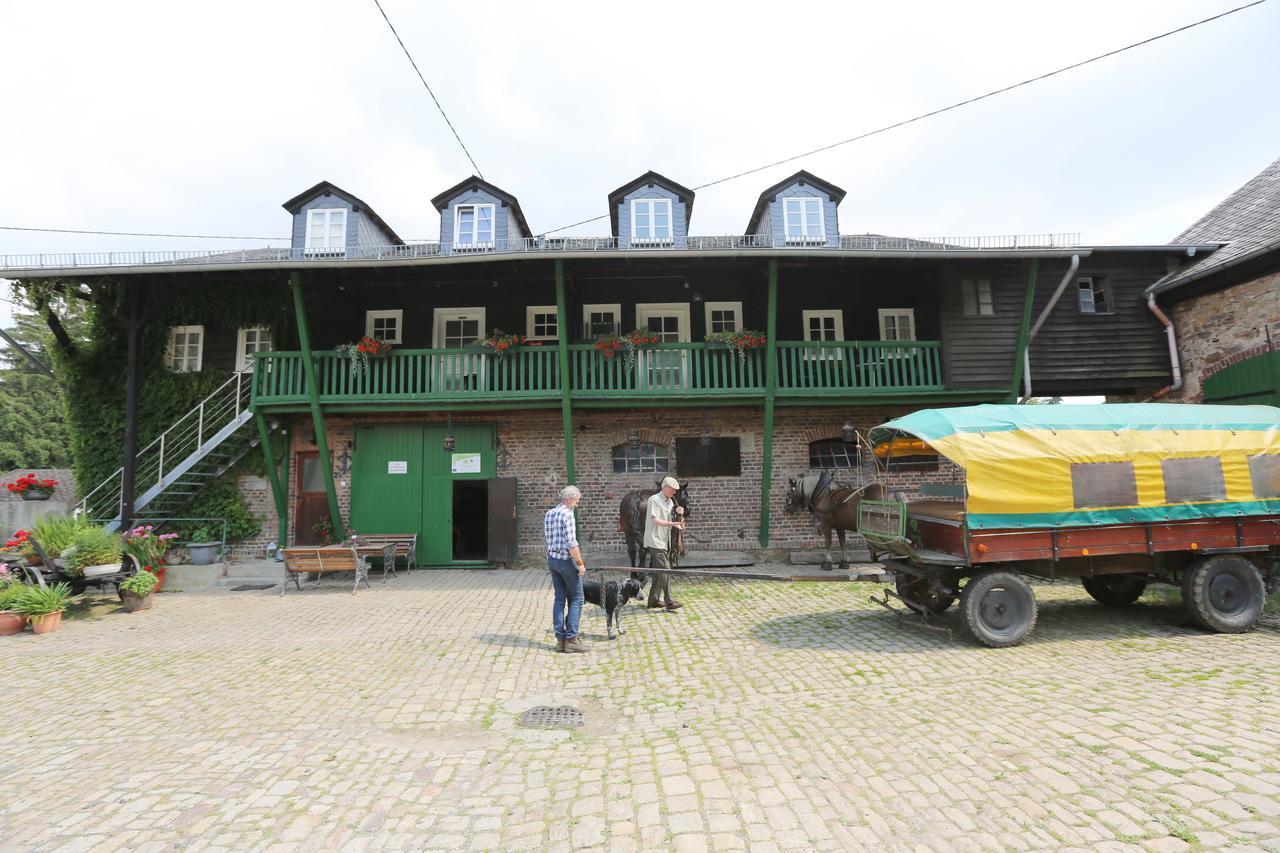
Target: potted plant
{"type": "Point", "coordinates": [43, 607]}
{"type": "Point", "coordinates": [136, 590]}
{"type": "Point", "coordinates": [11, 621]}
{"type": "Point", "coordinates": [32, 488]}
{"type": "Point", "coordinates": [149, 548]}
{"type": "Point", "coordinates": [500, 342]}
{"type": "Point", "coordinates": [203, 546]}
{"type": "Point", "coordinates": [55, 532]}
{"type": "Point", "coordinates": [324, 529]}
{"type": "Point", "coordinates": [359, 353]}
{"type": "Point", "coordinates": [21, 542]}
{"type": "Point", "coordinates": [92, 546]}
{"type": "Point", "coordinates": [739, 341]}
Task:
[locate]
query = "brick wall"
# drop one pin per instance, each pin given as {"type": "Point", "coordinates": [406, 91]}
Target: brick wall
{"type": "Point", "coordinates": [724, 511]}
{"type": "Point", "coordinates": [1220, 328]}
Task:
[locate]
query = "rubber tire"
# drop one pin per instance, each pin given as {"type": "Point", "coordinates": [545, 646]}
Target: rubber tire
{"type": "Point", "coordinates": [1115, 590]}
{"type": "Point", "coordinates": [902, 584]}
{"type": "Point", "coordinates": [1221, 582]}
{"type": "Point", "coordinates": [1008, 588]}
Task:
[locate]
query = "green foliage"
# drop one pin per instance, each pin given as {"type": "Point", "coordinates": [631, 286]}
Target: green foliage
{"type": "Point", "coordinates": [140, 583]}
{"type": "Point", "coordinates": [221, 499]}
{"type": "Point", "coordinates": [9, 595]}
{"type": "Point", "coordinates": [56, 532]}
{"type": "Point", "coordinates": [148, 546]}
{"type": "Point", "coordinates": [36, 602]}
{"type": "Point", "coordinates": [92, 546]}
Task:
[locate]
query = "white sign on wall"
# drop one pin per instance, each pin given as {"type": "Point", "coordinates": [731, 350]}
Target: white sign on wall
{"type": "Point", "coordinates": [400, 467]}
{"type": "Point", "coordinates": [466, 463]}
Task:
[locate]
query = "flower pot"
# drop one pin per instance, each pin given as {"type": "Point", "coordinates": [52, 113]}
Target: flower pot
{"type": "Point", "coordinates": [36, 496]}
{"type": "Point", "coordinates": [35, 561]}
{"type": "Point", "coordinates": [160, 575]}
{"type": "Point", "coordinates": [45, 623]}
{"type": "Point", "coordinates": [202, 553]}
{"type": "Point", "coordinates": [11, 623]}
{"type": "Point", "coordinates": [134, 602]}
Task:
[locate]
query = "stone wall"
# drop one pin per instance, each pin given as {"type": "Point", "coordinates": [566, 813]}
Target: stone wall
{"type": "Point", "coordinates": [724, 511]}
{"type": "Point", "coordinates": [1217, 329]}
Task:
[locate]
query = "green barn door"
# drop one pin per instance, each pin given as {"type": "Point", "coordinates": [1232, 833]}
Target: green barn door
{"type": "Point", "coordinates": [386, 481]}
{"type": "Point", "coordinates": [452, 481]}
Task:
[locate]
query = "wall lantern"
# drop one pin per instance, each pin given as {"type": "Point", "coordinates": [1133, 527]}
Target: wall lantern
{"type": "Point", "coordinates": [847, 433]}
{"type": "Point", "coordinates": [449, 442]}
{"type": "Point", "coordinates": [705, 438]}
{"type": "Point", "coordinates": [633, 438]}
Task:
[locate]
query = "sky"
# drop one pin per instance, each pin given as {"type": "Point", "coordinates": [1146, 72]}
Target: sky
{"type": "Point", "coordinates": [204, 118]}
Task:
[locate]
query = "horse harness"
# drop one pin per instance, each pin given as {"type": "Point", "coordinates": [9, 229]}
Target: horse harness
{"type": "Point", "coordinates": [839, 495]}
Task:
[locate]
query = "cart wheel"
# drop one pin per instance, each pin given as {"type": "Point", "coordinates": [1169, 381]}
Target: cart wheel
{"type": "Point", "coordinates": [921, 596]}
{"type": "Point", "coordinates": [999, 608]}
{"type": "Point", "coordinates": [1115, 590]}
{"type": "Point", "coordinates": [1224, 593]}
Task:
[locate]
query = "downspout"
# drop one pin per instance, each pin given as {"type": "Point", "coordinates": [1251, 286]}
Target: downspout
{"type": "Point", "coordinates": [1171, 337]}
{"type": "Point", "coordinates": [1044, 315]}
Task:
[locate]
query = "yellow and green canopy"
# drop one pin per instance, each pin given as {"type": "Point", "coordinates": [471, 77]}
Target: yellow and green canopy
{"type": "Point", "coordinates": [1037, 466]}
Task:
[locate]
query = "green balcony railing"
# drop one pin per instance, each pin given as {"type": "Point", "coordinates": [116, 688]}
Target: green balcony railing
{"type": "Point", "coordinates": [805, 369]}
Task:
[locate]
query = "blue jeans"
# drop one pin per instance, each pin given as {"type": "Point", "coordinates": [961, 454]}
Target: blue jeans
{"type": "Point", "coordinates": [568, 586]}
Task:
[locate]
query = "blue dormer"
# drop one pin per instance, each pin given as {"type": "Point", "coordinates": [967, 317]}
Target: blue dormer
{"type": "Point", "coordinates": [800, 211]}
{"type": "Point", "coordinates": [651, 211]}
{"type": "Point", "coordinates": [330, 221]}
{"type": "Point", "coordinates": [476, 216]}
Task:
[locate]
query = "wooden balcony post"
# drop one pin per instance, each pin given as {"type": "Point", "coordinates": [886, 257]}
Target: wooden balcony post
{"type": "Point", "coordinates": [770, 391]}
{"type": "Point", "coordinates": [313, 395]}
{"type": "Point", "coordinates": [277, 492]}
{"type": "Point", "coordinates": [1023, 330]}
{"type": "Point", "coordinates": [562, 345]}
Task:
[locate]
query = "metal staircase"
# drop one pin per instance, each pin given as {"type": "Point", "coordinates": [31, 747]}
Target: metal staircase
{"type": "Point", "coordinates": [170, 471]}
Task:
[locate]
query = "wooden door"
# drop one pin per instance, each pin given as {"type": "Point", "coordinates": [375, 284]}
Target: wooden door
{"type": "Point", "coordinates": [502, 520]}
{"type": "Point", "coordinates": [313, 500]}
{"type": "Point", "coordinates": [386, 480]}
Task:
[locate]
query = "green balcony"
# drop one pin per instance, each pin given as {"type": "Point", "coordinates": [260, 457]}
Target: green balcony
{"type": "Point", "coordinates": [530, 375]}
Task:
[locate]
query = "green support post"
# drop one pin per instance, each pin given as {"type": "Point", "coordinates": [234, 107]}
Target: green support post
{"type": "Point", "coordinates": [1024, 330]}
{"type": "Point", "coordinates": [313, 394]}
{"type": "Point", "coordinates": [284, 493]}
{"type": "Point", "coordinates": [770, 389]}
{"type": "Point", "coordinates": [566, 408]}
{"type": "Point", "coordinates": [277, 492]}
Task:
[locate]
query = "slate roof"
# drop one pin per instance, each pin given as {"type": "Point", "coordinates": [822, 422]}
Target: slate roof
{"type": "Point", "coordinates": [295, 204]}
{"type": "Point", "coordinates": [441, 201]}
{"type": "Point", "coordinates": [801, 177]}
{"type": "Point", "coordinates": [1247, 221]}
{"type": "Point", "coordinates": [650, 177]}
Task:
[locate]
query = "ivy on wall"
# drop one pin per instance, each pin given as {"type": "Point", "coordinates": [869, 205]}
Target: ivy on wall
{"type": "Point", "coordinates": [93, 375]}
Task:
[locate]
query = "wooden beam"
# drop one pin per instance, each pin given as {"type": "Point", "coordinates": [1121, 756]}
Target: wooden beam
{"type": "Point", "coordinates": [770, 392]}
{"type": "Point", "coordinates": [566, 406]}
{"type": "Point", "coordinates": [313, 394]}
{"type": "Point", "coordinates": [277, 492]}
{"type": "Point", "coordinates": [1023, 330]}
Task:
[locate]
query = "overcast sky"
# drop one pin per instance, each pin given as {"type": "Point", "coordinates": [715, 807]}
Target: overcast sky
{"type": "Point", "coordinates": [204, 118]}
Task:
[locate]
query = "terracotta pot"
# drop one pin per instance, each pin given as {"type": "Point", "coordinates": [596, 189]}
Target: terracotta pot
{"type": "Point", "coordinates": [11, 623]}
{"type": "Point", "coordinates": [134, 602]}
{"type": "Point", "coordinates": [47, 623]}
{"type": "Point", "coordinates": [160, 574]}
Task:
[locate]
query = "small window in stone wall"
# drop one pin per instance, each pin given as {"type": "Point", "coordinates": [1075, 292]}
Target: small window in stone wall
{"type": "Point", "coordinates": [833, 453]}
{"type": "Point", "coordinates": [639, 459]}
{"type": "Point", "coordinates": [714, 457]}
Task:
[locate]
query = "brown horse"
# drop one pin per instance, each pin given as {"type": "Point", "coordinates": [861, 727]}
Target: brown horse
{"type": "Point", "coordinates": [631, 521]}
{"type": "Point", "coordinates": [833, 507]}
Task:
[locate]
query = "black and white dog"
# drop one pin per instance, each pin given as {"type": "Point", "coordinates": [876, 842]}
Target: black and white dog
{"type": "Point", "coordinates": [612, 595]}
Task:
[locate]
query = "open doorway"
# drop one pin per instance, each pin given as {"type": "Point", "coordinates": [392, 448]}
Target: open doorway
{"type": "Point", "coordinates": [470, 520]}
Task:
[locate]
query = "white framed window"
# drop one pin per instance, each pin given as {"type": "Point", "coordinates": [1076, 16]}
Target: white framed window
{"type": "Point", "coordinates": [1094, 295]}
{"type": "Point", "coordinates": [185, 352]}
{"type": "Point", "coordinates": [601, 319]}
{"type": "Point", "coordinates": [456, 328]}
{"type": "Point", "coordinates": [385, 325]}
{"type": "Point", "coordinates": [975, 294]}
{"type": "Point", "coordinates": [327, 230]}
{"type": "Point", "coordinates": [897, 324]}
{"type": "Point", "coordinates": [803, 220]}
{"type": "Point", "coordinates": [823, 325]}
{"type": "Point", "coordinates": [541, 323]}
{"type": "Point", "coordinates": [250, 340]}
{"type": "Point", "coordinates": [723, 317]}
{"type": "Point", "coordinates": [651, 220]}
{"type": "Point", "coordinates": [473, 226]}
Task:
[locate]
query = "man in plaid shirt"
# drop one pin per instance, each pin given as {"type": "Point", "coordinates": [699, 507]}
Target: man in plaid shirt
{"type": "Point", "coordinates": [564, 561]}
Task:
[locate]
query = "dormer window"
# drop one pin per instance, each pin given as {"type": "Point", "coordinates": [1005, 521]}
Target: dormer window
{"type": "Point", "coordinates": [651, 221]}
{"type": "Point", "coordinates": [473, 226]}
{"type": "Point", "coordinates": [803, 220]}
{"type": "Point", "coordinates": [327, 230]}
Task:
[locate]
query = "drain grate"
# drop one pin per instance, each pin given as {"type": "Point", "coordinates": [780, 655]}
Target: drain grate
{"type": "Point", "coordinates": [547, 717]}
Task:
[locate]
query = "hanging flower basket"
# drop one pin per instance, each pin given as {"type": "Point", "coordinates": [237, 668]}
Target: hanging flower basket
{"type": "Point", "coordinates": [739, 341]}
{"type": "Point", "coordinates": [500, 343]}
{"type": "Point", "coordinates": [359, 353]}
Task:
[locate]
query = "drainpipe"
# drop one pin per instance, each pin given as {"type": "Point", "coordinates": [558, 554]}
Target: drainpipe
{"type": "Point", "coordinates": [1171, 337]}
{"type": "Point", "coordinates": [1044, 315]}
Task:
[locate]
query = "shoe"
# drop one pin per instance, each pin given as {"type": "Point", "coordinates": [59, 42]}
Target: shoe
{"type": "Point", "coordinates": [653, 605]}
{"type": "Point", "coordinates": [574, 645]}
{"type": "Point", "coordinates": [674, 605]}
{"type": "Point", "coordinates": [559, 644]}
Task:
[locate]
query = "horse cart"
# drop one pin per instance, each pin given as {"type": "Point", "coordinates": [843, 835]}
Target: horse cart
{"type": "Point", "coordinates": [47, 572]}
{"type": "Point", "coordinates": [1119, 496]}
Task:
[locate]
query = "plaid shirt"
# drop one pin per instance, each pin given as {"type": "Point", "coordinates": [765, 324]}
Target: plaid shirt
{"type": "Point", "coordinates": [560, 530]}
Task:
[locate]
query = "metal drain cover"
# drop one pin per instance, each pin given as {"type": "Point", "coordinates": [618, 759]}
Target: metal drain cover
{"type": "Point", "coordinates": [547, 717]}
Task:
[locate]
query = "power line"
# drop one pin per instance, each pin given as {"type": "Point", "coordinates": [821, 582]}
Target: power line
{"type": "Point", "coordinates": [139, 233]}
{"type": "Point", "coordinates": [428, 88]}
{"type": "Point", "coordinates": [957, 105]}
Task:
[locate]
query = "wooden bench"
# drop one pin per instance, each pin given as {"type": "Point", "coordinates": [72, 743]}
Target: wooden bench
{"type": "Point", "coordinates": [406, 546]}
{"type": "Point", "coordinates": [300, 561]}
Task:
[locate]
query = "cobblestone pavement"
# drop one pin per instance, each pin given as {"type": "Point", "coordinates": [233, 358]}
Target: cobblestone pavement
{"type": "Point", "coordinates": [759, 717]}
